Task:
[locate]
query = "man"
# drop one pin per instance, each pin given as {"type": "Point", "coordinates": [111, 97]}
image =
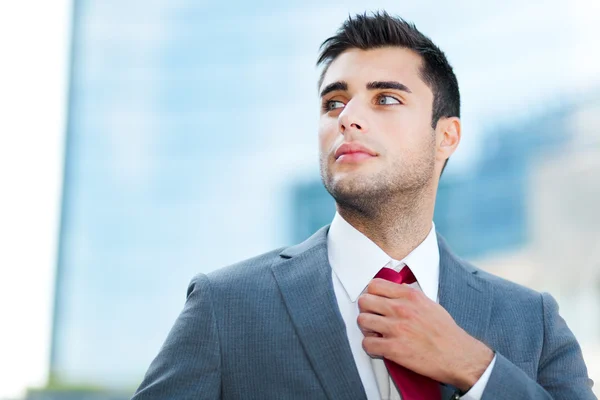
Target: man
{"type": "Point", "coordinates": [321, 320]}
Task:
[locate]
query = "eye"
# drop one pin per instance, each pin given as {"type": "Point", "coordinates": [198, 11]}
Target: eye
{"type": "Point", "coordinates": [387, 100]}
{"type": "Point", "coordinates": [331, 105]}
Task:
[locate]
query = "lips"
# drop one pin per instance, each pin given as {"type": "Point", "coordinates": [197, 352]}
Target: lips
{"type": "Point", "coordinates": [354, 148]}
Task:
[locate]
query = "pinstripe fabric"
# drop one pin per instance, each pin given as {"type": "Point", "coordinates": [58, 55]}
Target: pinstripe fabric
{"type": "Point", "coordinates": [269, 328]}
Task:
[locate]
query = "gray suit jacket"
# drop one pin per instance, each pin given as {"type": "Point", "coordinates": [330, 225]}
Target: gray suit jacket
{"type": "Point", "coordinates": [270, 328]}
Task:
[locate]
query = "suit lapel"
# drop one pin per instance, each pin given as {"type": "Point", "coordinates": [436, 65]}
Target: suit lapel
{"type": "Point", "coordinates": [466, 296]}
{"type": "Point", "coordinates": [303, 274]}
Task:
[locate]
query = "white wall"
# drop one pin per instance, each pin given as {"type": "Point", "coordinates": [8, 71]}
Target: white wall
{"type": "Point", "coordinates": [34, 49]}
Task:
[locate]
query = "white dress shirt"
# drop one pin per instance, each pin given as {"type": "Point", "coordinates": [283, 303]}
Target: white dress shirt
{"type": "Point", "coordinates": [355, 260]}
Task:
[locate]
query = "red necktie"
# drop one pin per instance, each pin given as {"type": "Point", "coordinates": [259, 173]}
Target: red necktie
{"type": "Point", "coordinates": [411, 385]}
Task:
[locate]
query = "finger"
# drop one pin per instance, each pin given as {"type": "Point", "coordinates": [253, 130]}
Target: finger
{"type": "Point", "coordinates": [375, 346]}
{"type": "Point", "coordinates": [391, 290]}
{"type": "Point", "coordinates": [373, 304]}
{"type": "Point", "coordinates": [373, 323]}
{"type": "Point", "coordinates": [368, 333]}
{"type": "Point", "coordinates": [377, 305]}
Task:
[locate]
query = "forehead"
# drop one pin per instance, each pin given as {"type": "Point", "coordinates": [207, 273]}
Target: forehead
{"type": "Point", "coordinates": [358, 67]}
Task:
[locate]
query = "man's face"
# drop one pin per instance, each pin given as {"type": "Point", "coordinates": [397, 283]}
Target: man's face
{"type": "Point", "coordinates": [375, 134]}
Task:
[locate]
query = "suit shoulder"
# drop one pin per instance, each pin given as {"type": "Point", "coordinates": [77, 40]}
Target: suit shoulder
{"type": "Point", "coordinates": [506, 289]}
{"type": "Point", "coordinates": [249, 269]}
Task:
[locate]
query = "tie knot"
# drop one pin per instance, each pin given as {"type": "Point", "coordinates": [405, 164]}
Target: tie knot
{"type": "Point", "coordinates": [404, 276]}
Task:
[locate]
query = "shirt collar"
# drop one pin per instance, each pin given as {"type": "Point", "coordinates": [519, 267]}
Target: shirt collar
{"type": "Point", "coordinates": [356, 259]}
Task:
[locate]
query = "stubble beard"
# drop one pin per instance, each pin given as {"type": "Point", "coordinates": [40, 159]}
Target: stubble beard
{"type": "Point", "coordinates": [397, 190]}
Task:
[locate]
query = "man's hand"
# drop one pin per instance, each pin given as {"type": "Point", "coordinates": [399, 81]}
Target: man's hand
{"type": "Point", "coordinates": [401, 324]}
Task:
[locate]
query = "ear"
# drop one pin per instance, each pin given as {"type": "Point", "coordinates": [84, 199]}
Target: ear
{"type": "Point", "coordinates": [447, 137]}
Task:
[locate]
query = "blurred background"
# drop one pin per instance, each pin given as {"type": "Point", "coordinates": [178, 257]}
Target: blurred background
{"type": "Point", "coordinates": [142, 142]}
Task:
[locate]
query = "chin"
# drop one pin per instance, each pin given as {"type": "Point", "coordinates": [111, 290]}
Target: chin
{"type": "Point", "coordinates": [353, 184]}
{"type": "Point", "coordinates": [347, 183]}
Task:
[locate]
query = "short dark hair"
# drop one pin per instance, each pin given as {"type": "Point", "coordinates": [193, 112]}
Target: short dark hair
{"type": "Point", "coordinates": [379, 30]}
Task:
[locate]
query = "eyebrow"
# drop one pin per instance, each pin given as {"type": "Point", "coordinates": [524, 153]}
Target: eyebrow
{"type": "Point", "coordinates": [388, 85]}
{"type": "Point", "coordinates": [333, 87]}
{"type": "Point", "coordinates": [377, 85]}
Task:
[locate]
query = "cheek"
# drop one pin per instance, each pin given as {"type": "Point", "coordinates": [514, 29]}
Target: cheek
{"type": "Point", "coordinates": [327, 133]}
{"type": "Point", "coordinates": [405, 132]}
{"type": "Point", "coordinates": [395, 132]}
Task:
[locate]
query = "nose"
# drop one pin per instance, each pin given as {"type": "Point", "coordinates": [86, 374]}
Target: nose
{"type": "Point", "coordinates": [351, 119]}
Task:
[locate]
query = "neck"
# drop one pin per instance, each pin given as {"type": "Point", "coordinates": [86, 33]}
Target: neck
{"type": "Point", "coordinates": [398, 226]}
